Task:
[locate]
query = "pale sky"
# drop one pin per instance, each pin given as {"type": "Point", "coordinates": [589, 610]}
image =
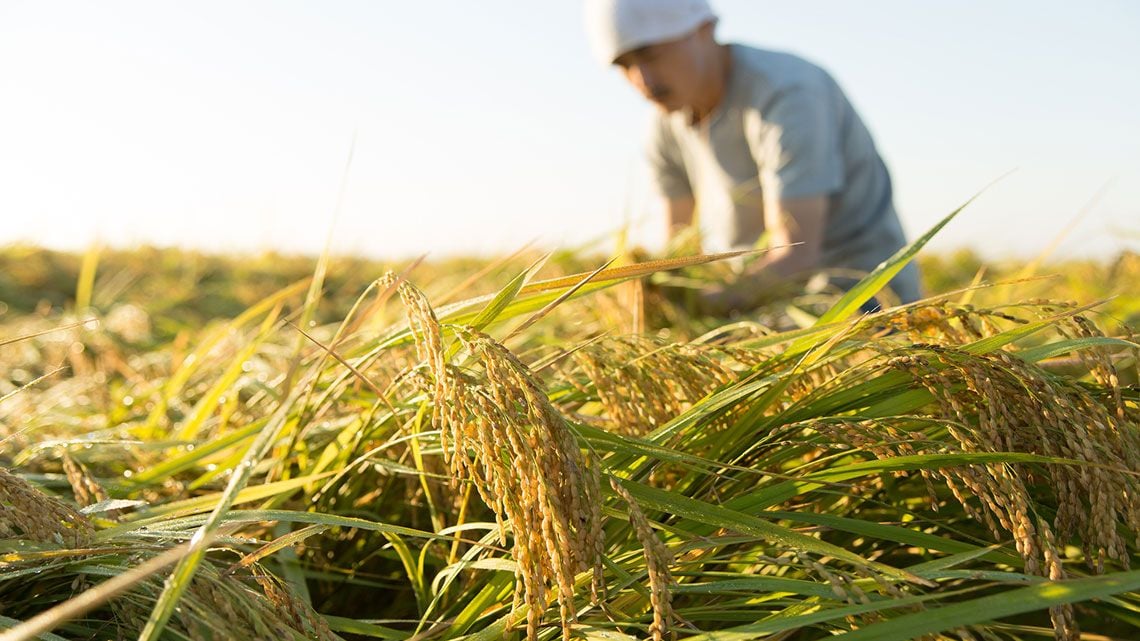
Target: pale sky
{"type": "Point", "coordinates": [480, 126]}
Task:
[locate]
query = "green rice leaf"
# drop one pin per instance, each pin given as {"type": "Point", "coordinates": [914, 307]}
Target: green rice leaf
{"type": "Point", "coordinates": [507, 294]}
{"type": "Point", "coordinates": [707, 513]}
{"type": "Point", "coordinates": [866, 289]}
{"type": "Point", "coordinates": [1052, 350]}
{"type": "Point", "coordinates": [179, 580]}
{"type": "Point", "coordinates": [992, 343]}
{"type": "Point", "coordinates": [995, 606]}
{"type": "Point", "coordinates": [9, 622]}
{"type": "Point", "coordinates": [363, 628]}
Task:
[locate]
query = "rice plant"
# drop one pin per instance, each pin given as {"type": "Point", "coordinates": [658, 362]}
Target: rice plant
{"type": "Point", "coordinates": [519, 464]}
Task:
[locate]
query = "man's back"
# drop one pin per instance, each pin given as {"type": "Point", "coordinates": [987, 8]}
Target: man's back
{"type": "Point", "coordinates": [784, 129]}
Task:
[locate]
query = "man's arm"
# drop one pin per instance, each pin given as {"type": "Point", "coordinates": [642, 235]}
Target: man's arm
{"type": "Point", "coordinates": [795, 227]}
{"type": "Point", "coordinates": [798, 150]}
{"type": "Point", "coordinates": [679, 214]}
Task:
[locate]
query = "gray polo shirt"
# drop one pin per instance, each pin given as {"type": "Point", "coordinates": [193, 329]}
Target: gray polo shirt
{"type": "Point", "coordinates": [783, 130]}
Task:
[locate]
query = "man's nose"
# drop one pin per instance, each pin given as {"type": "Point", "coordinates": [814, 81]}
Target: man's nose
{"type": "Point", "coordinates": [640, 76]}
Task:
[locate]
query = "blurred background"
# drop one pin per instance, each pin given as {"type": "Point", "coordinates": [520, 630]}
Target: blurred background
{"type": "Point", "coordinates": [474, 128]}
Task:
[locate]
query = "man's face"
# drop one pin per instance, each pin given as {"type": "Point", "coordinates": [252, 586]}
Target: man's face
{"type": "Point", "coordinates": [671, 75]}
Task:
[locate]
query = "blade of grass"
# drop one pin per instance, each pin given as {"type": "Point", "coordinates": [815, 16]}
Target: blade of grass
{"type": "Point", "coordinates": [870, 285]}
{"type": "Point", "coordinates": [972, 288]}
{"type": "Point", "coordinates": [486, 270]}
{"type": "Point", "coordinates": [997, 341]}
{"type": "Point", "coordinates": [30, 383]}
{"type": "Point", "coordinates": [86, 284]}
{"type": "Point", "coordinates": [172, 466]}
{"type": "Point", "coordinates": [460, 312]}
{"type": "Point", "coordinates": [701, 512]}
{"type": "Point", "coordinates": [506, 295]}
{"type": "Point", "coordinates": [17, 339]}
{"type": "Point", "coordinates": [279, 543]}
{"type": "Point", "coordinates": [9, 622]}
{"type": "Point", "coordinates": [995, 606]}
{"type": "Point", "coordinates": [96, 596]}
{"type": "Point", "coordinates": [534, 318]}
{"type": "Point", "coordinates": [190, 365]}
{"type": "Point", "coordinates": [363, 628]}
{"type": "Point", "coordinates": [210, 401]}
{"type": "Point", "coordinates": [411, 568]}
{"type": "Point", "coordinates": [177, 583]}
{"type": "Point", "coordinates": [1051, 350]}
{"type": "Point", "coordinates": [356, 372]}
{"type": "Point", "coordinates": [201, 504]}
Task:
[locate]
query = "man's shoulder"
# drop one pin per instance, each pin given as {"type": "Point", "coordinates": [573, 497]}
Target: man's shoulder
{"type": "Point", "coordinates": [766, 72]}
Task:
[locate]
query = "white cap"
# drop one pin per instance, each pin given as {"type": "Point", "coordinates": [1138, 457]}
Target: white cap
{"type": "Point", "coordinates": [618, 26]}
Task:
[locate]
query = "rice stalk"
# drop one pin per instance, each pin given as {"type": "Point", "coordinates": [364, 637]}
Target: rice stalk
{"type": "Point", "coordinates": [641, 384]}
{"type": "Point", "coordinates": [658, 558]}
{"type": "Point", "coordinates": [500, 432]}
{"type": "Point", "coordinates": [998, 403]}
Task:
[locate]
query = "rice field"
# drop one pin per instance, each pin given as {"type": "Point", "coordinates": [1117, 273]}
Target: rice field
{"type": "Point", "coordinates": [198, 447]}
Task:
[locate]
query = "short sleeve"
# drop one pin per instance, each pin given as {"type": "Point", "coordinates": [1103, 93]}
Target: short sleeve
{"type": "Point", "coordinates": [666, 165]}
{"type": "Point", "coordinates": [797, 144]}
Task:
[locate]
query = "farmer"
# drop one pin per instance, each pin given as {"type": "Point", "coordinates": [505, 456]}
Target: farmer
{"type": "Point", "coordinates": [747, 142]}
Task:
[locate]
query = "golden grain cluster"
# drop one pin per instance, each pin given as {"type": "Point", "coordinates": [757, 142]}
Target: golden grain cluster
{"type": "Point", "coordinates": [500, 432]}
{"type": "Point", "coordinates": [29, 513]}
{"type": "Point", "coordinates": [642, 383]}
{"type": "Point", "coordinates": [658, 558]}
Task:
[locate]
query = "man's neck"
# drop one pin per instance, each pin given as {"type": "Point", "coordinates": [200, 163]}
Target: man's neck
{"type": "Point", "coordinates": [717, 86]}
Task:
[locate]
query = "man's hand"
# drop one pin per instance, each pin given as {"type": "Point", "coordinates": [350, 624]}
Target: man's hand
{"type": "Point", "coordinates": [679, 214]}
{"type": "Point", "coordinates": [795, 227]}
{"type": "Point", "coordinates": [799, 222]}
{"type": "Point", "coordinates": [744, 294]}
{"type": "Point", "coordinates": [721, 301]}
